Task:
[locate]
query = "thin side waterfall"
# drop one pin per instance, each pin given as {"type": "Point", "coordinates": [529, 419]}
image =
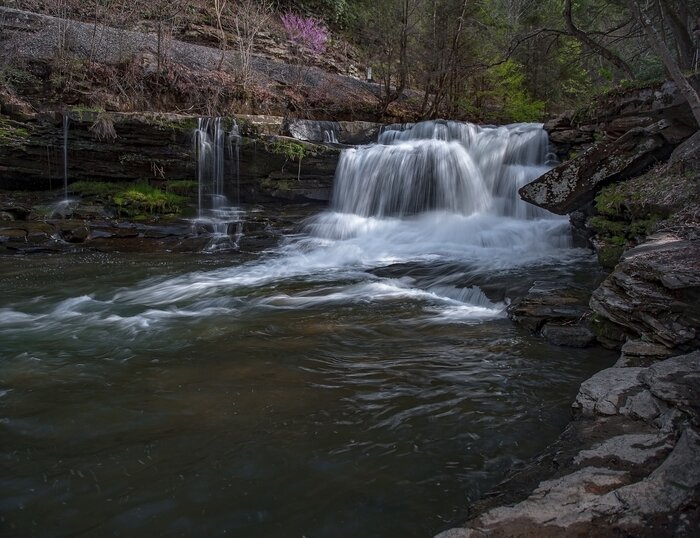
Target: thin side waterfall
{"type": "Point", "coordinates": [215, 214]}
{"type": "Point", "coordinates": [66, 127]}
{"type": "Point", "coordinates": [234, 149]}
{"type": "Point", "coordinates": [329, 137]}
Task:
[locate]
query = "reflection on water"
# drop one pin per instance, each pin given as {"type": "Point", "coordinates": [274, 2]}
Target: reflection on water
{"type": "Point", "coordinates": [316, 405]}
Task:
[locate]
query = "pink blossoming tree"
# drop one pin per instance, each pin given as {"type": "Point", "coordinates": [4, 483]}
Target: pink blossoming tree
{"type": "Point", "coordinates": [306, 33]}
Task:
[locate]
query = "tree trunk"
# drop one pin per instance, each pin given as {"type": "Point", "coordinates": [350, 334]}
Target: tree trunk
{"type": "Point", "coordinates": [686, 50]}
{"type": "Point", "coordinates": [584, 38]}
{"type": "Point", "coordinates": [671, 65]}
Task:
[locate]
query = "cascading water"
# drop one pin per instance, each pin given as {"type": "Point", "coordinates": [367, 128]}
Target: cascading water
{"type": "Point", "coordinates": [215, 213]}
{"type": "Point", "coordinates": [329, 137]}
{"type": "Point", "coordinates": [63, 207]}
{"type": "Point", "coordinates": [443, 166]}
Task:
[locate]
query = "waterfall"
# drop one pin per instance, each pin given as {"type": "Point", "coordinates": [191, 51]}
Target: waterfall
{"type": "Point", "coordinates": [443, 166]}
{"type": "Point", "coordinates": [329, 137]}
{"type": "Point", "coordinates": [215, 215]}
{"type": "Point", "coordinates": [234, 149]}
{"type": "Point", "coordinates": [66, 124]}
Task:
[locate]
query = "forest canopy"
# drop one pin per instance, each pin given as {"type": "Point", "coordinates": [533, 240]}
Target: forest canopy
{"type": "Point", "coordinates": [484, 60]}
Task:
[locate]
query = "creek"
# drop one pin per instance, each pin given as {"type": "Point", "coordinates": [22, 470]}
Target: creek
{"type": "Point", "coordinates": [360, 378]}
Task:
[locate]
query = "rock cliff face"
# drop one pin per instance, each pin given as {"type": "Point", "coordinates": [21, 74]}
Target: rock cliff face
{"type": "Point", "coordinates": [616, 113]}
{"type": "Point", "coordinates": [158, 147]}
{"type": "Point", "coordinates": [654, 293]}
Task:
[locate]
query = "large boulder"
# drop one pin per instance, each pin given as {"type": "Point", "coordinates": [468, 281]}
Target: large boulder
{"type": "Point", "coordinates": [575, 183]}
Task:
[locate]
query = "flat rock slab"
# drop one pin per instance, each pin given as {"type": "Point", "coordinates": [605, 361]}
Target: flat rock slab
{"type": "Point", "coordinates": [549, 302]}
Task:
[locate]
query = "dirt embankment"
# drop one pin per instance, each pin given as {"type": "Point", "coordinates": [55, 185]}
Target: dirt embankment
{"type": "Point", "coordinates": [56, 63]}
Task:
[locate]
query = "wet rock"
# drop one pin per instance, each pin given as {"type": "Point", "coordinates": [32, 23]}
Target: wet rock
{"type": "Point", "coordinates": [546, 302]}
{"type": "Point", "coordinates": [654, 293]}
{"type": "Point", "coordinates": [574, 184]}
{"type": "Point", "coordinates": [13, 234]}
{"type": "Point", "coordinates": [669, 487]}
{"type": "Point", "coordinates": [609, 335]}
{"type": "Point", "coordinates": [637, 448]}
{"type": "Point", "coordinates": [74, 232]}
{"type": "Point", "coordinates": [580, 233]}
{"type": "Point", "coordinates": [578, 335]}
{"type": "Point", "coordinates": [676, 381]}
{"type": "Point", "coordinates": [14, 212]}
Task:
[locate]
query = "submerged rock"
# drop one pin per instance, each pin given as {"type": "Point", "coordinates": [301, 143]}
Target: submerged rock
{"type": "Point", "coordinates": [558, 313]}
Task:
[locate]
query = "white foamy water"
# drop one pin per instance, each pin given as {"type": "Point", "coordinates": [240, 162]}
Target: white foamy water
{"type": "Point", "coordinates": [431, 194]}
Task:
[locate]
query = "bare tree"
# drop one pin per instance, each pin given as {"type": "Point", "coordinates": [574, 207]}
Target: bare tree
{"type": "Point", "coordinates": [166, 14]}
{"type": "Point", "coordinates": [657, 43]}
{"type": "Point", "coordinates": [249, 19]}
{"type": "Point", "coordinates": [59, 9]}
{"type": "Point", "coordinates": [592, 44]}
{"type": "Point", "coordinates": [219, 8]}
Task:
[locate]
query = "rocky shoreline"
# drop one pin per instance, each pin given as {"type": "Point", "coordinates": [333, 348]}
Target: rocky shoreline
{"type": "Point", "coordinates": [627, 464]}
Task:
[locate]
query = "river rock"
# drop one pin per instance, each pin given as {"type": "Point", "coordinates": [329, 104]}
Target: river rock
{"type": "Point", "coordinates": [654, 293]}
{"type": "Point", "coordinates": [676, 381]}
{"type": "Point", "coordinates": [577, 335]}
{"type": "Point", "coordinates": [636, 352]}
{"type": "Point", "coordinates": [546, 302]}
{"type": "Point", "coordinates": [573, 184]}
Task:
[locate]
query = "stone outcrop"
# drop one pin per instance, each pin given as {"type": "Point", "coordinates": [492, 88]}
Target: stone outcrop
{"type": "Point", "coordinates": [575, 183]}
{"type": "Point", "coordinates": [654, 293]}
{"type": "Point", "coordinates": [158, 147]}
{"type": "Point", "coordinates": [343, 132]}
{"type": "Point", "coordinates": [631, 464]}
{"type": "Point", "coordinates": [616, 113]}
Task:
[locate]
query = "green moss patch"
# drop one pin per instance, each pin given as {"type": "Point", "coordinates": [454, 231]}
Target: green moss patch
{"type": "Point", "coordinates": [12, 133]}
{"type": "Point", "coordinates": [143, 198]}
